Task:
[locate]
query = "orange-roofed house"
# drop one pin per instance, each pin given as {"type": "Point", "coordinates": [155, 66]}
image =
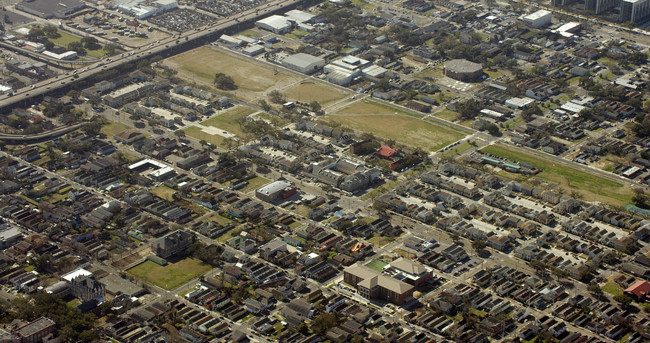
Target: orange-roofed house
{"type": "Point", "coordinates": [639, 290]}
{"type": "Point", "coordinates": [386, 152]}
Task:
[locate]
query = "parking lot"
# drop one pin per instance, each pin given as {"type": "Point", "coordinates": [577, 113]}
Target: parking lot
{"type": "Point", "coordinates": [115, 27]}
{"type": "Point", "coordinates": [182, 19]}
{"type": "Point", "coordinates": [226, 8]}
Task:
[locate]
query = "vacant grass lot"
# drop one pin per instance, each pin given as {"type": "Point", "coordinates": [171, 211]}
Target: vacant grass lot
{"type": "Point", "coordinates": [255, 183]}
{"type": "Point", "coordinates": [113, 128]}
{"type": "Point", "coordinates": [172, 275]}
{"type": "Point", "coordinates": [593, 187]}
{"type": "Point", "coordinates": [456, 150]}
{"type": "Point", "coordinates": [447, 115]}
{"type": "Point", "coordinates": [163, 192]}
{"type": "Point", "coordinates": [204, 62]}
{"type": "Point", "coordinates": [228, 119]}
{"type": "Point", "coordinates": [403, 129]}
{"type": "Point", "coordinates": [371, 107]}
{"type": "Point", "coordinates": [196, 132]}
{"type": "Point", "coordinates": [309, 91]}
{"type": "Point", "coordinates": [64, 39]}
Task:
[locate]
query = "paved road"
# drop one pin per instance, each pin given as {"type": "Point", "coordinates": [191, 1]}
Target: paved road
{"type": "Point", "coordinates": [163, 45]}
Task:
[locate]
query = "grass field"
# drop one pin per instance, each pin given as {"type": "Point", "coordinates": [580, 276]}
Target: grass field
{"type": "Point", "coordinates": [371, 107]}
{"type": "Point", "coordinates": [403, 129]}
{"type": "Point", "coordinates": [447, 115]}
{"type": "Point", "coordinates": [612, 288]}
{"type": "Point", "coordinates": [172, 275]}
{"type": "Point", "coordinates": [64, 39]}
{"type": "Point", "coordinates": [227, 120]}
{"type": "Point", "coordinates": [594, 187]}
{"type": "Point", "coordinates": [113, 128]}
{"type": "Point", "coordinates": [457, 150]}
{"type": "Point", "coordinates": [196, 132]}
{"type": "Point", "coordinates": [163, 192]}
{"type": "Point", "coordinates": [312, 91]}
{"type": "Point", "coordinates": [220, 220]}
{"type": "Point", "coordinates": [204, 62]}
{"type": "Point", "coordinates": [377, 265]}
{"type": "Point", "coordinates": [255, 183]}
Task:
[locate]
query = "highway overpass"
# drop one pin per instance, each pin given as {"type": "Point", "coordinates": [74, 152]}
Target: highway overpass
{"type": "Point", "coordinates": [39, 137]}
{"type": "Point", "coordinates": [176, 43]}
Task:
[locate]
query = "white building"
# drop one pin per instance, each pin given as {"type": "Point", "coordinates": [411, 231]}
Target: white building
{"type": "Point", "coordinates": [344, 70]}
{"type": "Point", "coordinates": [304, 63]}
{"type": "Point", "coordinates": [538, 19]}
{"type": "Point", "coordinates": [68, 55]}
{"type": "Point", "coordinates": [274, 23]}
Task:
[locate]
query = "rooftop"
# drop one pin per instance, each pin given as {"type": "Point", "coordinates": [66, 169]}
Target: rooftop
{"type": "Point", "coordinates": [463, 66]}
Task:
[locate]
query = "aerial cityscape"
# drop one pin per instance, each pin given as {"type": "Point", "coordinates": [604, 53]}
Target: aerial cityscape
{"type": "Point", "coordinates": [338, 171]}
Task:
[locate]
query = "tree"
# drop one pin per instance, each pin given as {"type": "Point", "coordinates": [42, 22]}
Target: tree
{"type": "Point", "coordinates": [539, 266]}
{"type": "Point", "coordinates": [265, 105]}
{"type": "Point", "coordinates": [478, 245]}
{"type": "Point", "coordinates": [324, 322]}
{"type": "Point", "coordinates": [51, 31]}
{"type": "Point", "coordinates": [315, 106]}
{"type": "Point", "coordinates": [179, 133]}
{"type": "Point", "coordinates": [225, 82]}
{"type": "Point", "coordinates": [560, 273]}
{"type": "Point", "coordinates": [111, 48]}
{"type": "Point", "coordinates": [277, 97]}
{"type": "Point", "coordinates": [303, 328]}
{"type": "Point", "coordinates": [531, 111]}
{"type": "Point", "coordinates": [90, 43]}
{"type": "Point", "coordinates": [493, 129]}
{"type": "Point", "coordinates": [78, 47]}
{"type": "Point", "coordinates": [640, 199]}
{"type": "Point", "coordinates": [623, 299]}
{"type": "Point", "coordinates": [35, 33]}
{"type": "Point", "coordinates": [595, 289]}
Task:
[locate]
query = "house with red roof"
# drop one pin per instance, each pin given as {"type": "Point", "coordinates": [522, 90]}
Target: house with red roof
{"type": "Point", "coordinates": [387, 152]}
{"type": "Point", "coordinates": [639, 290]}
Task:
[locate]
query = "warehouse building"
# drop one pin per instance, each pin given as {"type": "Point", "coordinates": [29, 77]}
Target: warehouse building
{"type": "Point", "coordinates": [304, 63]}
{"type": "Point", "coordinates": [47, 9]}
{"type": "Point", "coordinates": [463, 70]}
{"type": "Point", "coordinates": [274, 190]}
{"type": "Point", "coordinates": [538, 19]}
{"type": "Point", "coordinates": [275, 24]}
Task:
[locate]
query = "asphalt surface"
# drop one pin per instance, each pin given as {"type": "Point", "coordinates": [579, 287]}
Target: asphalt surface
{"type": "Point", "coordinates": [60, 81]}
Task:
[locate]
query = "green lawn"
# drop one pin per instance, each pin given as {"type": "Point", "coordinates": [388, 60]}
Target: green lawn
{"type": "Point", "coordinates": [447, 115]}
{"type": "Point", "coordinates": [220, 220]}
{"type": "Point", "coordinates": [255, 183]}
{"type": "Point", "coordinates": [457, 150]}
{"type": "Point", "coordinates": [296, 224]}
{"type": "Point", "coordinates": [249, 33]}
{"type": "Point", "coordinates": [227, 120]}
{"type": "Point", "coordinates": [64, 39]}
{"type": "Point", "coordinates": [197, 133]}
{"type": "Point", "coordinates": [228, 235]}
{"type": "Point", "coordinates": [164, 192]}
{"type": "Point", "coordinates": [593, 187]}
{"type": "Point", "coordinates": [612, 288]}
{"type": "Point", "coordinates": [172, 275]}
{"type": "Point", "coordinates": [377, 265]}
{"type": "Point", "coordinates": [113, 128]}
{"type": "Point", "coordinates": [379, 190]}
{"type": "Point", "coordinates": [403, 129]}
{"type": "Point", "coordinates": [378, 240]}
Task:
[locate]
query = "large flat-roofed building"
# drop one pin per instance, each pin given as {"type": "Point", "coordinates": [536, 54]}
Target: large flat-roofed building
{"type": "Point", "coordinates": [373, 285]}
{"type": "Point", "coordinates": [35, 331]}
{"type": "Point", "coordinates": [538, 19]}
{"type": "Point", "coordinates": [274, 190]}
{"type": "Point", "coordinates": [172, 244]}
{"type": "Point", "coordinates": [50, 8]}
{"type": "Point", "coordinates": [635, 11]}
{"type": "Point", "coordinates": [274, 23]}
{"type": "Point", "coordinates": [304, 63]}
{"type": "Point", "coordinates": [463, 70]}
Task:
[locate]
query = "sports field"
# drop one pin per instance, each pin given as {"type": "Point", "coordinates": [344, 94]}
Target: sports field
{"type": "Point", "coordinates": [172, 275]}
{"type": "Point", "coordinates": [203, 63]}
{"type": "Point", "coordinates": [591, 186]}
{"type": "Point", "coordinates": [402, 128]}
{"type": "Point", "coordinates": [309, 91]}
